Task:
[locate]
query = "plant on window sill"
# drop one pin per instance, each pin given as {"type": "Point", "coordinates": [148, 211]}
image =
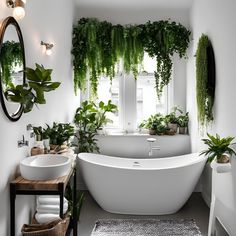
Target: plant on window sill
{"type": "Point", "coordinates": [32, 92]}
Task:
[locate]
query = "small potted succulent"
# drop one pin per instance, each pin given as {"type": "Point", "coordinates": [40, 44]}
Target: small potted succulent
{"type": "Point", "coordinates": [183, 123]}
{"type": "Point", "coordinates": [218, 148]}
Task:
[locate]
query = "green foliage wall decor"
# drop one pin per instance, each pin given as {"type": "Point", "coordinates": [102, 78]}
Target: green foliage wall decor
{"type": "Point", "coordinates": [205, 80]}
{"type": "Point", "coordinates": [99, 46]}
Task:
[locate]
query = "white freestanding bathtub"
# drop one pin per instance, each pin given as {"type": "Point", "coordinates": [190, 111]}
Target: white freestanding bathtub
{"type": "Point", "coordinates": [141, 186]}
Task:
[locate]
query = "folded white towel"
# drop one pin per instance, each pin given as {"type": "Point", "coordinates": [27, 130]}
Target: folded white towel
{"type": "Point", "coordinates": [45, 218]}
{"type": "Point", "coordinates": [50, 200]}
{"type": "Point", "coordinates": [54, 209]}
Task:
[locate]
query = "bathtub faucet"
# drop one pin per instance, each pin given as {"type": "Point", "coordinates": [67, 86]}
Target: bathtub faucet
{"type": "Point", "coordinates": [151, 141]}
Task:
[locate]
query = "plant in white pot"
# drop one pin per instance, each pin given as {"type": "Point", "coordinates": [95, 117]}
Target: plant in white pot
{"type": "Point", "coordinates": [183, 123]}
{"type": "Point", "coordinates": [218, 148]}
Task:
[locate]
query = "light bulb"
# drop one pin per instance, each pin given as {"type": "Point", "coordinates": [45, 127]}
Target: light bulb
{"type": "Point", "coordinates": [48, 52]}
{"type": "Point", "coordinates": [19, 13]}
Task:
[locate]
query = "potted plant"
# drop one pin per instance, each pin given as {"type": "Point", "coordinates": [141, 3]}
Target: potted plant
{"type": "Point", "coordinates": [172, 119]}
{"type": "Point", "coordinates": [59, 135]}
{"type": "Point", "coordinates": [183, 123]}
{"type": "Point", "coordinates": [89, 119]}
{"type": "Point", "coordinates": [218, 148]}
{"type": "Point", "coordinates": [156, 124]}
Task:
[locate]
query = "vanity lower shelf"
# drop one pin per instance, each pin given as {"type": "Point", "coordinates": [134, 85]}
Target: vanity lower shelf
{"type": "Point", "coordinates": [21, 186]}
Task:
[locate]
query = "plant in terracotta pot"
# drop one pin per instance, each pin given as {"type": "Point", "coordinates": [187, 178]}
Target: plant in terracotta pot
{"type": "Point", "coordinates": [172, 119]}
{"type": "Point", "coordinates": [59, 135]}
{"type": "Point", "coordinates": [156, 124]}
{"type": "Point", "coordinates": [218, 148]}
{"type": "Point", "coordinates": [183, 123]}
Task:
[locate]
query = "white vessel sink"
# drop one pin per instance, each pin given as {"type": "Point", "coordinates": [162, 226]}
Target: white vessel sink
{"type": "Point", "coordinates": [45, 167]}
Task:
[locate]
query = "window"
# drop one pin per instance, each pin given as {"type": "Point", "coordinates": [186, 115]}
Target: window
{"type": "Point", "coordinates": [110, 91]}
{"type": "Point", "coordinates": [147, 102]}
{"type": "Point", "coordinates": [136, 99]}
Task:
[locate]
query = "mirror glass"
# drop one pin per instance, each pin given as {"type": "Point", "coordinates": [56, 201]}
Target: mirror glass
{"type": "Point", "coordinates": [12, 65]}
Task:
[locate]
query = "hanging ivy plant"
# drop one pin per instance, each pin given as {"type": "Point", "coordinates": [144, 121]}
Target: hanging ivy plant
{"type": "Point", "coordinates": [99, 46]}
{"type": "Point", "coordinates": [205, 80]}
{"type": "Point", "coordinates": [133, 54]}
{"type": "Point", "coordinates": [11, 56]}
{"type": "Point", "coordinates": [161, 40]}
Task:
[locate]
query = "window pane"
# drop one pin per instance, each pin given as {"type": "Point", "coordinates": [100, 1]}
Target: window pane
{"type": "Point", "coordinates": [147, 101]}
{"type": "Point", "coordinates": [109, 91]}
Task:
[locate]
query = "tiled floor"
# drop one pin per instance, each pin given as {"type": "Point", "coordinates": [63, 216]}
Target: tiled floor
{"type": "Point", "coordinates": [195, 208]}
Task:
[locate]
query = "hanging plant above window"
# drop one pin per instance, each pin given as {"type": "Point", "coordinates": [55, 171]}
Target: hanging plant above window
{"type": "Point", "coordinates": [205, 80]}
{"type": "Point", "coordinates": [99, 46]}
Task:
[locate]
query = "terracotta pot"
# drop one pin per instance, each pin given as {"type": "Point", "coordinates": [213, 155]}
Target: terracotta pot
{"type": "Point", "coordinates": [224, 158]}
{"type": "Point", "coordinates": [173, 127]}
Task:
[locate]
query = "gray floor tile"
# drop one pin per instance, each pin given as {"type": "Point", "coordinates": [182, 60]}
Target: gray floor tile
{"type": "Point", "coordinates": [195, 208]}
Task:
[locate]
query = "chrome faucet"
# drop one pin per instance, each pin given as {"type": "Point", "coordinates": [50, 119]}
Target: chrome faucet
{"type": "Point", "coordinates": [151, 141]}
{"type": "Point", "coordinates": [22, 142]}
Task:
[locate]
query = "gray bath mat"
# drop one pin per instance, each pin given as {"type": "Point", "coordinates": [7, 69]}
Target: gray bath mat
{"type": "Point", "coordinates": [143, 227]}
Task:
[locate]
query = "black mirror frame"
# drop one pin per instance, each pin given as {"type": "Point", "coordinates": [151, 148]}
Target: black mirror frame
{"type": "Point", "coordinates": [5, 23]}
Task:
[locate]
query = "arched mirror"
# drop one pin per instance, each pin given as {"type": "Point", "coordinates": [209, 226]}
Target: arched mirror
{"type": "Point", "coordinates": [12, 65]}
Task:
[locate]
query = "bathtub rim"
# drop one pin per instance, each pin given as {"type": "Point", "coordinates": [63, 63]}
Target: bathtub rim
{"type": "Point", "coordinates": [199, 158]}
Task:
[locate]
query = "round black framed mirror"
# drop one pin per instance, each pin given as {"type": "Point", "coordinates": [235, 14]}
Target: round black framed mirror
{"type": "Point", "coordinates": [12, 65]}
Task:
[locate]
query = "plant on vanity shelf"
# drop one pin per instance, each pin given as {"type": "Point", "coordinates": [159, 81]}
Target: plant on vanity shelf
{"type": "Point", "coordinates": [32, 92]}
{"type": "Point", "coordinates": [89, 118]}
{"type": "Point", "coordinates": [59, 135]}
{"type": "Point", "coordinates": [218, 148]}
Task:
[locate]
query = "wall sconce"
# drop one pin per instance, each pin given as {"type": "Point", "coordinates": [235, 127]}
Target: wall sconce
{"type": "Point", "coordinates": [18, 8]}
{"type": "Point", "coordinates": [48, 48]}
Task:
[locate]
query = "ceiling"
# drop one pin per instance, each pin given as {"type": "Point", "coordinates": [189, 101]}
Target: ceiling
{"type": "Point", "coordinates": [176, 4]}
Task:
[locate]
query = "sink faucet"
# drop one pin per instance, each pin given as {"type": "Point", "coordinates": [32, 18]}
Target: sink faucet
{"type": "Point", "coordinates": [151, 141]}
{"type": "Point", "coordinates": [22, 142]}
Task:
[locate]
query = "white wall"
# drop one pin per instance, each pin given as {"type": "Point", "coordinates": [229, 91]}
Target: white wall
{"type": "Point", "coordinates": [217, 20]}
{"type": "Point", "coordinates": [134, 15]}
{"type": "Point", "coordinates": [50, 21]}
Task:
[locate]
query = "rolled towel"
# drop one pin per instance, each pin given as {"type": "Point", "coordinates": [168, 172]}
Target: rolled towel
{"type": "Point", "coordinates": [54, 209]}
{"type": "Point", "coordinates": [50, 200]}
{"type": "Point", "coordinates": [45, 218]}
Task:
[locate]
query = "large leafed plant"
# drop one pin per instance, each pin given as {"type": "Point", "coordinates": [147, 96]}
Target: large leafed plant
{"type": "Point", "coordinates": [32, 91]}
{"type": "Point", "coordinates": [99, 46]}
{"type": "Point", "coordinates": [89, 118]}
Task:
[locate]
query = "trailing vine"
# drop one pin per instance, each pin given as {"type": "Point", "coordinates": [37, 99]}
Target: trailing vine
{"type": "Point", "coordinates": [205, 80]}
{"type": "Point", "coordinates": [99, 46]}
{"type": "Point", "coordinates": [11, 56]}
{"type": "Point", "coordinates": [133, 54]}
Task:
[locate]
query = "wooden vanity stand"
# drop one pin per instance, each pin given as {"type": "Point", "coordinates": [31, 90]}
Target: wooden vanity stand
{"type": "Point", "coordinates": [21, 186]}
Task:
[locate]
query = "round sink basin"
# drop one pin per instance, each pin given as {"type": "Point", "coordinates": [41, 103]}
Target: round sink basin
{"type": "Point", "coordinates": [45, 167]}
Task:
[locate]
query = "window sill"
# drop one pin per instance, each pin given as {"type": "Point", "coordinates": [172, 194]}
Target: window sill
{"type": "Point", "coordinates": [116, 134]}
